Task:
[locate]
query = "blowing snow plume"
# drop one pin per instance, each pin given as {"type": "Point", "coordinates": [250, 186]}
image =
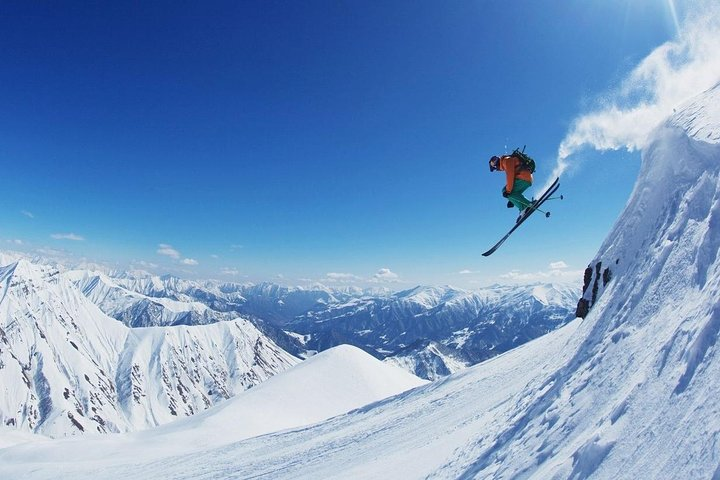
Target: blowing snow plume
{"type": "Point", "coordinates": [672, 74]}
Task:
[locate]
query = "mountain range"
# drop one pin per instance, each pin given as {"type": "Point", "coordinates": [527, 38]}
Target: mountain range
{"type": "Point", "coordinates": [465, 326]}
{"type": "Point", "coordinates": [88, 351]}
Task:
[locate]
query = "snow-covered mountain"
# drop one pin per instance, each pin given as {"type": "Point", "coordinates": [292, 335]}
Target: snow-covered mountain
{"type": "Point", "coordinates": [428, 359]}
{"type": "Point", "coordinates": [630, 391]}
{"type": "Point", "coordinates": [66, 367]}
{"type": "Point", "coordinates": [150, 300]}
{"type": "Point", "coordinates": [466, 327]}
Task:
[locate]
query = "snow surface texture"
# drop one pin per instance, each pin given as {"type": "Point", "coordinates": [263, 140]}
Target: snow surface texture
{"type": "Point", "coordinates": [67, 368]}
{"type": "Point", "coordinates": [629, 392]}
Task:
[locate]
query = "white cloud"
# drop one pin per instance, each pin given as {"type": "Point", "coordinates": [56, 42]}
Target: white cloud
{"type": "Point", "coordinates": [230, 271]}
{"type": "Point", "coordinates": [465, 272]}
{"type": "Point", "coordinates": [168, 250]}
{"type": "Point", "coordinates": [672, 74]}
{"type": "Point", "coordinates": [385, 275]}
{"type": "Point", "coordinates": [15, 241]}
{"type": "Point", "coordinates": [27, 214]}
{"type": "Point", "coordinates": [67, 236]}
{"type": "Point", "coordinates": [189, 261]}
{"type": "Point", "coordinates": [558, 265]}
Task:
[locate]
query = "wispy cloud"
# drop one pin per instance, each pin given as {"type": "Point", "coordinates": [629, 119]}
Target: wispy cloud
{"type": "Point", "coordinates": [27, 214]}
{"type": "Point", "coordinates": [230, 271]}
{"type": "Point", "coordinates": [168, 251]}
{"type": "Point", "coordinates": [15, 241]}
{"type": "Point", "coordinates": [342, 277]}
{"type": "Point", "coordinates": [67, 236]}
{"type": "Point", "coordinates": [671, 75]}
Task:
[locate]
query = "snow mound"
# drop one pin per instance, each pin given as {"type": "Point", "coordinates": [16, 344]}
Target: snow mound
{"type": "Point", "coordinates": [330, 383]}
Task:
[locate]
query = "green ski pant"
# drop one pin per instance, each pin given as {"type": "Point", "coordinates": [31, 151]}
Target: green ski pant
{"type": "Point", "coordinates": [516, 196]}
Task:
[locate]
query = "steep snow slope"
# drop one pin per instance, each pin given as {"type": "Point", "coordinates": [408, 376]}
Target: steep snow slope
{"type": "Point", "coordinates": [629, 392]}
{"type": "Point", "coordinates": [67, 368]}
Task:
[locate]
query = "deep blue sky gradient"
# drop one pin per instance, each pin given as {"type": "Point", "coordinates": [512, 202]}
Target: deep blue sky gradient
{"type": "Point", "coordinates": [302, 138]}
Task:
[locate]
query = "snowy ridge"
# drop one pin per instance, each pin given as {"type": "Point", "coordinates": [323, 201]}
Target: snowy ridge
{"type": "Point", "coordinates": [326, 385]}
{"type": "Point", "coordinates": [66, 368]}
{"type": "Point", "coordinates": [137, 309]}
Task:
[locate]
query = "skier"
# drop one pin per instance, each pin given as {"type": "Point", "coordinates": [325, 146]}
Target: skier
{"type": "Point", "coordinates": [518, 180]}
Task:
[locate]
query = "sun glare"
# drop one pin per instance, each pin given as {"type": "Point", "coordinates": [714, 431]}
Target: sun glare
{"type": "Point", "coordinates": [673, 13]}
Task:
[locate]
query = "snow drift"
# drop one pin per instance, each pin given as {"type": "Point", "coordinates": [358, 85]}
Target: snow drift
{"type": "Point", "coordinates": [629, 392]}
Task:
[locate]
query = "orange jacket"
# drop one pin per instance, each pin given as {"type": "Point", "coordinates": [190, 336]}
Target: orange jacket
{"type": "Point", "coordinates": [511, 167]}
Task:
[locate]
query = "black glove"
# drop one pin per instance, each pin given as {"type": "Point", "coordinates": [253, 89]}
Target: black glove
{"type": "Point", "coordinates": [505, 193]}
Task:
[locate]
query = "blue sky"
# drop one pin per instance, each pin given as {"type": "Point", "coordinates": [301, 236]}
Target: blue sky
{"type": "Point", "coordinates": [319, 141]}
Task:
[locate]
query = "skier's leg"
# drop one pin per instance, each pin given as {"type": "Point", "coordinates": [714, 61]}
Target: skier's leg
{"type": "Point", "coordinates": [516, 196]}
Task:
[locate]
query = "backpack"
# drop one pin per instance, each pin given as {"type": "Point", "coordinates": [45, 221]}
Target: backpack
{"type": "Point", "coordinates": [526, 162]}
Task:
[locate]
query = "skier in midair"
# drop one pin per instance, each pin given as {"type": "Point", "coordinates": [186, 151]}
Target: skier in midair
{"type": "Point", "coordinates": [518, 179]}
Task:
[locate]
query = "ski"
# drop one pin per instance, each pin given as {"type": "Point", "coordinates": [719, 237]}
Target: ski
{"type": "Point", "coordinates": [528, 211]}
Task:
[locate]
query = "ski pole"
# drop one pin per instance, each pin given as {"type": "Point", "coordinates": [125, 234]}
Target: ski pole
{"type": "Point", "coordinates": [529, 205]}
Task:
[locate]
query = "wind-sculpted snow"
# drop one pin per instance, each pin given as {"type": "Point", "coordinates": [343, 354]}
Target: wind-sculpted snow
{"type": "Point", "coordinates": [629, 392]}
{"type": "Point", "coordinates": [66, 368]}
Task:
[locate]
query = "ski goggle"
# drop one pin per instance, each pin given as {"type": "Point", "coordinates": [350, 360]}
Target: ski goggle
{"type": "Point", "coordinates": [494, 163]}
